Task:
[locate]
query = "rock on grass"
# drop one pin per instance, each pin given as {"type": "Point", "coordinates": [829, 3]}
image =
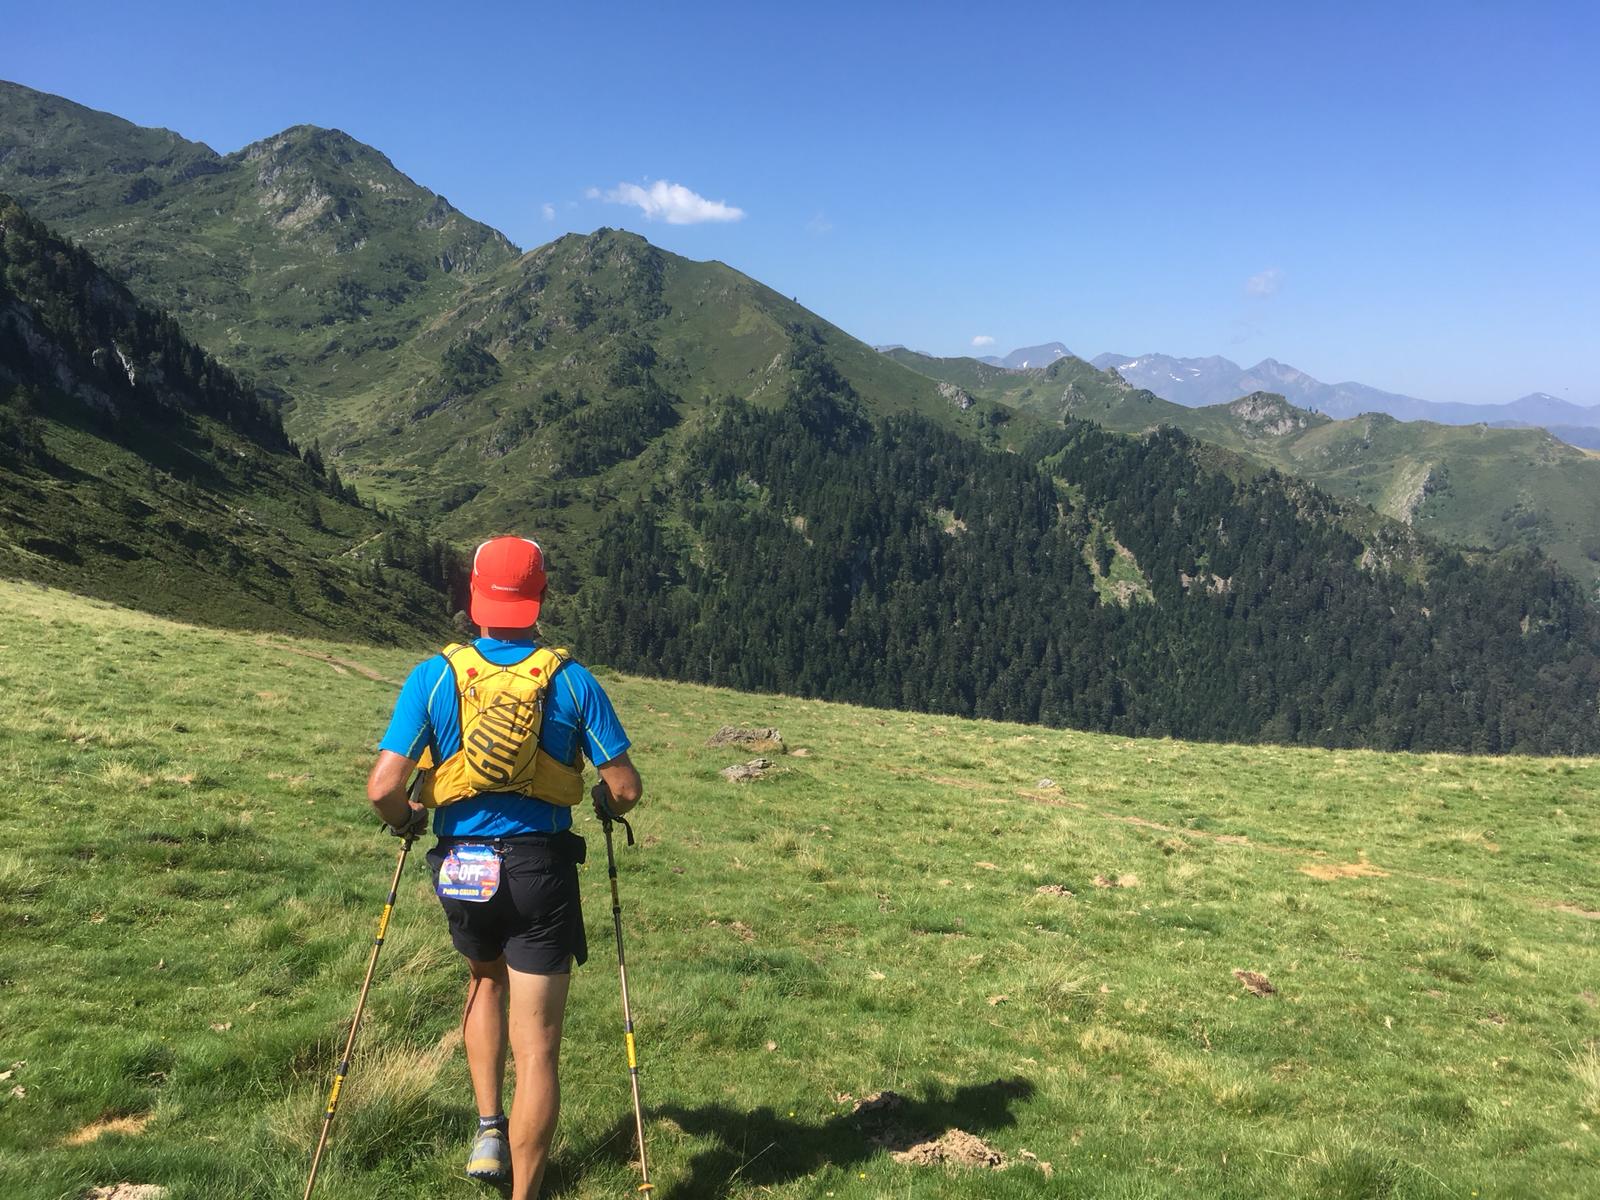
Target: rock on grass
{"type": "Point", "coordinates": [745, 772]}
{"type": "Point", "coordinates": [750, 739]}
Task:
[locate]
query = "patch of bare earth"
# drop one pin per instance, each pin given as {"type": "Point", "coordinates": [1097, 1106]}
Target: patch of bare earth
{"type": "Point", "coordinates": [1255, 983]}
{"type": "Point", "coordinates": [128, 1191]}
{"type": "Point", "coordinates": [1129, 880]}
{"type": "Point", "coordinates": [1053, 889]}
{"type": "Point", "coordinates": [1587, 914]}
{"type": "Point", "coordinates": [95, 1130]}
{"type": "Point", "coordinates": [952, 1148]}
{"type": "Point", "coordinates": [1327, 872]}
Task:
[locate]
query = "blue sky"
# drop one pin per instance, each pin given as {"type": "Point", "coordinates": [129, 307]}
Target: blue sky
{"type": "Point", "coordinates": [1407, 195]}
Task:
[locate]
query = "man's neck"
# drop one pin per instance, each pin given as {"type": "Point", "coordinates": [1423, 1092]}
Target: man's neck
{"type": "Point", "coordinates": [528, 634]}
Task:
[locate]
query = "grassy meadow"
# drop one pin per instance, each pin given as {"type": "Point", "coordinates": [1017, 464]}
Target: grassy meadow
{"type": "Point", "coordinates": [189, 879]}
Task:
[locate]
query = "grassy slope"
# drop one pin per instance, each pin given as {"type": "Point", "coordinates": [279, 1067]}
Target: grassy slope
{"type": "Point", "coordinates": [189, 880]}
{"type": "Point", "coordinates": [195, 521]}
{"type": "Point", "coordinates": [171, 496]}
{"type": "Point", "coordinates": [1484, 486]}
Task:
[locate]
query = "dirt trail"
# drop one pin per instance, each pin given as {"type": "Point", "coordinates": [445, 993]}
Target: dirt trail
{"type": "Point", "coordinates": [341, 665]}
{"type": "Point", "coordinates": [1587, 914]}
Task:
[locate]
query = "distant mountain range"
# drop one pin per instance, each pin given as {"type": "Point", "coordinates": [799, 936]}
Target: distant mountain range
{"type": "Point", "coordinates": [1029, 357]}
{"type": "Point", "coordinates": [1198, 382]}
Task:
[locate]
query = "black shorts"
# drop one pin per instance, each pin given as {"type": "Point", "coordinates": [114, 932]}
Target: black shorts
{"type": "Point", "coordinates": [535, 918]}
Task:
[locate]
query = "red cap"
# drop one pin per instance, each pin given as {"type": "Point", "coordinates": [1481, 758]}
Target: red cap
{"type": "Point", "coordinates": [507, 583]}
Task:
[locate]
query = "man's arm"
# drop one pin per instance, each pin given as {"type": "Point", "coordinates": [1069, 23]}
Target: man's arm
{"type": "Point", "coordinates": [619, 788]}
{"type": "Point", "coordinates": [386, 789]}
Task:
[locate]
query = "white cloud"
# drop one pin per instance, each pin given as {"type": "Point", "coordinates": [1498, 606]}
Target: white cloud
{"type": "Point", "coordinates": [983, 339]}
{"type": "Point", "coordinates": [819, 226]}
{"type": "Point", "coordinates": [548, 211]}
{"type": "Point", "coordinates": [669, 202]}
{"type": "Point", "coordinates": [1264, 283]}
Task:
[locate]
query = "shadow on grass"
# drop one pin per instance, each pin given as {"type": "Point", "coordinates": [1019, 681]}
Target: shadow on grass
{"type": "Point", "coordinates": [760, 1148]}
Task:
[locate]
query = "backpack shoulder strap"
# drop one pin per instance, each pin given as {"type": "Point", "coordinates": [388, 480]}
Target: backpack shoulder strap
{"type": "Point", "coordinates": [465, 661]}
{"type": "Point", "coordinates": [538, 667]}
{"type": "Point", "coordinates": [550, 659]}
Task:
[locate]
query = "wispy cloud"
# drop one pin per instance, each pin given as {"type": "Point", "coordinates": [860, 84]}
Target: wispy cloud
{"type": "Point", "coordinates": [819, 226]}
{"type": "Point", "coordinates": [1264, 283]}
{"type": "Point", "coordinates": [983, 339]}
{"type": "Point", "coordinates": [548, 211]}
{"type": "Point", "coordinates": [669, 202]}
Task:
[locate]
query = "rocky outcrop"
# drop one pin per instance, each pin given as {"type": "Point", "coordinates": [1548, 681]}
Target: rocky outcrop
{"type": "Point", "coordinates": [955, 395]}
{"type": "Point", "coordinates": [1264, 414]}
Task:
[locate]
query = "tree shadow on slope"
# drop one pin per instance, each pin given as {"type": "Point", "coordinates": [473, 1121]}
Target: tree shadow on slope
{"type": "Point", "coordinates": [760, 1148]}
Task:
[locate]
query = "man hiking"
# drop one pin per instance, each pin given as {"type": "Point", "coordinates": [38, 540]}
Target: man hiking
{"type": "Point", "coordinates": [504, 719]}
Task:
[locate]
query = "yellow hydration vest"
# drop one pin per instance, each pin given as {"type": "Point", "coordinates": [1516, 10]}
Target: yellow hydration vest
{"type": "Point", "coordinates": [502, 710]}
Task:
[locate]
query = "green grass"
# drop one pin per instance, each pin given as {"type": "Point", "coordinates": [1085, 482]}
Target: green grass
{"type": "Point", "coordinates": [189, 878]}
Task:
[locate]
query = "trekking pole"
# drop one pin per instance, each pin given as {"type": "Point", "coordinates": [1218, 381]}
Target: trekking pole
{"type": "Point", "coordinates": [361, 1004]}
{"type": "Point", "coordinates": [627, 1013]}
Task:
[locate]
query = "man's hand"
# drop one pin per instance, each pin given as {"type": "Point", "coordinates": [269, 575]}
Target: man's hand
{"type": "Point", "coordinates": [619, 788]}
{"type": "Point", "coordinates": [601, 795]}
{"type": "Point", "coordinates": [386, 789]}
{"type": "Point", "coordinates": [414, 825]}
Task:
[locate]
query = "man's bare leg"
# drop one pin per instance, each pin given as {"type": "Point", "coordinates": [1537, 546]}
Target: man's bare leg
{"type": "Point", "coordinates": [483, 1027]}
{"type": "Point", "coordinates": [538, 1004]}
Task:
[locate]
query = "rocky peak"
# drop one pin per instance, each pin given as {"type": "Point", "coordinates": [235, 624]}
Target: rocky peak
{"type": "Point", "coordinates": [1268, 414]}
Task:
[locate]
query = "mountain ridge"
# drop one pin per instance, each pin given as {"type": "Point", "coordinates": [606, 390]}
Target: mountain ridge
{"type": "Point", "coordinates": [1198, 382]}
{"type": "Point", "coordinates": [1469, 485]}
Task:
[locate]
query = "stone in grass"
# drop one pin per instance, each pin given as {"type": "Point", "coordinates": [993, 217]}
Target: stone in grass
{"type": "Point", "coordinates": [129, 1191]}
{"type": "Point", "coordinates": [749, 738]}
{"type": "Point", "coordinates": [745, 772]}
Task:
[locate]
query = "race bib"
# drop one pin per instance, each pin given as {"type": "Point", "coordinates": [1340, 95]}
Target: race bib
{"type": "Point", "coordinates": [469, 873]}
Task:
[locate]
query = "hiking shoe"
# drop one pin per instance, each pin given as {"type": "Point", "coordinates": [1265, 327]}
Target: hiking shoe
{"type": "Point", "coordinates": [490, 1157]}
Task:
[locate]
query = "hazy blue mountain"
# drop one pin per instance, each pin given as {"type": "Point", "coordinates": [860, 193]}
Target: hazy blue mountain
{"type": "Point", "coordinates": [1199, 382]}
{"type": "Point", "coordinates": [1586, 436]}
{"type": "Point", "coordinates": [1028, 357]}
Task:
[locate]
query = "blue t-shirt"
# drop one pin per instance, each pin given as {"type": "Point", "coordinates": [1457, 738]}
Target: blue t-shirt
{"type": "Point", "coordinates": [577, 715]}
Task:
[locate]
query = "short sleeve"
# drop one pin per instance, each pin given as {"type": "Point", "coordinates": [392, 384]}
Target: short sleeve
{"type": "Point", "coordinates": [410, 729]}
{"type": "Point", "coordinates": [603, 735]}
